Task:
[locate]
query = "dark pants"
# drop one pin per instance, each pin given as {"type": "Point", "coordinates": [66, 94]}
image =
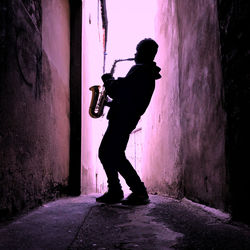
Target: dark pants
{"type": "Point", "coordinates": [113, 158]}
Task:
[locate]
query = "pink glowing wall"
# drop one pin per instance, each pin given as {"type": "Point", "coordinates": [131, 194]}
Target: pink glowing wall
{"type": "Point", "coordinates": [202, 115]}
{"type": "Point", "coordinates": [92, 129]}
{"type": "Point", "coordinates": [162, 170]}
{"type": "Point", "coordinates": [56, 67]}
{"type": "Point", "coordinates": [186, 122]}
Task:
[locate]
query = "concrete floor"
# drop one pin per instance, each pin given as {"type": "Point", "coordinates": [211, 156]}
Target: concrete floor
{"type": "Point", "coordinates": [165, 223]}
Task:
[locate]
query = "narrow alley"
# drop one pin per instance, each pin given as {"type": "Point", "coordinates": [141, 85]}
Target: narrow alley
{"type": "Point", "coordinates": [165, 223]}
{"type": "Point", "coordinates": [190, 144]}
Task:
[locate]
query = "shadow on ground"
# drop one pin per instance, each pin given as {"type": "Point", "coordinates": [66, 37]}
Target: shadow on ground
{"type": "Point", "coordinates": [165, 223]}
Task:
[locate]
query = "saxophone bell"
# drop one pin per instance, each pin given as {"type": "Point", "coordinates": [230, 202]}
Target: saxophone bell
{"type": "Point", "coordinates": [97, 103]}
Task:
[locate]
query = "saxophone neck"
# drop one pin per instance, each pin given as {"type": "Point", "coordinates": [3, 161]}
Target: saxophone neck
{"type": "Point", "coordinates": [119, 60]}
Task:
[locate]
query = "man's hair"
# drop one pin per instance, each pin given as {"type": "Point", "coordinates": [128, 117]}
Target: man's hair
{"type": "Point", "coordinates": [147, 48]}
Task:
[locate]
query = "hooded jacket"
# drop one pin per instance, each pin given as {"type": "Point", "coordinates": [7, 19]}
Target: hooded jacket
{"type": "Point", "coordinates": [132, 94]}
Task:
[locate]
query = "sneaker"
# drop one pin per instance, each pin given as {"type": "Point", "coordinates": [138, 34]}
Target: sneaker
{"type": "Point", "coordinates": [110, 197]}
{"type": "Point", "coordinates": [136, 199]}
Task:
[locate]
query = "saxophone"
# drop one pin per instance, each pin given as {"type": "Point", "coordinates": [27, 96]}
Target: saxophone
{"type": "Point", "coordinates": [99, 97]}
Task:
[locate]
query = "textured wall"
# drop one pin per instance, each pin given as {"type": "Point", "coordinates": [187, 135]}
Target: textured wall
{"type": "Point", "coordinates": [161, 170]}
{"type": "Point", "coordinates": [202, 117]}
{"type": "Point", "coordinates": [93, 178]}
{"type": "Point", "coordinates": [56, 69]}
{"type": "Point", "coordinates": [34, 127]}
{"type": "Point", "coordinates": [186, 154]}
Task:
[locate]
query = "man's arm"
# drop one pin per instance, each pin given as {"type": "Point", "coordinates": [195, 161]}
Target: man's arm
{"type": "Point", "coordinates": [113, 87]}
{"type": "Point", "coordinates": [130, 87]}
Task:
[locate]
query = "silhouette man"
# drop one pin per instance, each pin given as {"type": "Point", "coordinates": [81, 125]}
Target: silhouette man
{"type": "Point", "coordinates": [131, 96]}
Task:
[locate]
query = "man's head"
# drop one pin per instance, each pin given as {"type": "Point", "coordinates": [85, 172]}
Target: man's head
{"type": "Point", "coordinates": [146, 51]}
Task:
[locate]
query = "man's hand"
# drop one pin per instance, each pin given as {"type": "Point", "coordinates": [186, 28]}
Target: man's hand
{"type": "Point", "coordinates": [106, 77]}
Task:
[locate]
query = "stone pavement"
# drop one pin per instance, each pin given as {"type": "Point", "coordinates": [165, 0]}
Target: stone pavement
{"type": "Point", "coordinates": [165, 223]}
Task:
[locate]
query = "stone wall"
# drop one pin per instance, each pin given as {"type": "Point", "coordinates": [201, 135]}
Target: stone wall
{"type": "Point", "coordinates": [34, 103]}
{"type": "Point", "coordinates": [186, 154]}
{"type": "Point", "coordinates": [202, 117]}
